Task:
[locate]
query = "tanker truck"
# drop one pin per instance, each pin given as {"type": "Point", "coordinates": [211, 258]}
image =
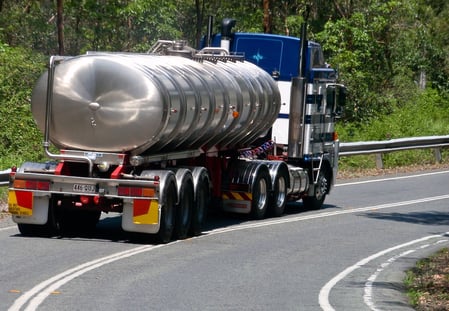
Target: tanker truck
{"type": "Point", "coordinates": [244, 124]}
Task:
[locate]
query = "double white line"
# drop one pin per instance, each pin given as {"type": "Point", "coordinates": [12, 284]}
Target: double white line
{"type": "Point", "coordinates": [35, 296]}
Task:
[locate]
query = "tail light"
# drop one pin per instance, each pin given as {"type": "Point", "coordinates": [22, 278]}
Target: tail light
{"type": "Point", "coordinates": [85, 199]}
{"type": "Point", "coordinates": [135, 191]}
{"type": "Point", "coordinates": [32, 185]}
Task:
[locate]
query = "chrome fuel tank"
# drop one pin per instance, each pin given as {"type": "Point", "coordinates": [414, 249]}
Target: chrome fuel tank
{"type": "Point", "coordinates": [155, 103]}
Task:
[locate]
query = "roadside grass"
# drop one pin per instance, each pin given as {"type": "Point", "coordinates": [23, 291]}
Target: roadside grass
{"type": "Point", "coordinates": [428, 283]}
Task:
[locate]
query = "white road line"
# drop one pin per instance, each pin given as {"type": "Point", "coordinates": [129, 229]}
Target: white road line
{"type": "Point", "coordinates": [42, 290]}
{"type": "Point", "coordinates": [369, 285]}
{"type": "Point", "coordinates": [8, 228]}
{"type": "Point", "coordinates": [390, 178]}
{"type": "Point", "coordinates": [323, 297]}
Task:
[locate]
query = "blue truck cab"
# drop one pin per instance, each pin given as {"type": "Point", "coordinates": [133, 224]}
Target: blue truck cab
{"type": "Point", "coordinates": [278, 55]}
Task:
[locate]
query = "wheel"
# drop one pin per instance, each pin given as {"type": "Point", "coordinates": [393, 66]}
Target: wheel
{"type": "Point", "coordinates": [316, 201]}
{"type": "Point", "coordinates": [259, 203]}
{"type": "Point", "coordinates": [200, 207]}
{"type": "Point", "coordinates": [168, 214]}
{"type": "Point", "coordinates": [184, 211]}
{"type": "Point", "coordinates": [279, 197]}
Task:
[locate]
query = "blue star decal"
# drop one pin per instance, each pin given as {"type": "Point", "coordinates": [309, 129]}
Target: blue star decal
{"type": "Point", "coordinates": [257, 57]}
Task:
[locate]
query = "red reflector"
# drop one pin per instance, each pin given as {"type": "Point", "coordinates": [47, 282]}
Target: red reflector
{"type": "Point", "coordinates": [43, 185]}
{"type": "Point", "coordinates": [123, 191]}
{"type": "Point", "coordinates": [85, 199]}
{"type": "Point", "coordinates": [135, 192]}
{"type": "Point", "coordinates": [335, 136]}
{"type": "Point", "coordinates": [97, 199]}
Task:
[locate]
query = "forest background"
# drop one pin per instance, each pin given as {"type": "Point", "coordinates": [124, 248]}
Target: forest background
{"type": "Point", "coordinates": [393, 56]}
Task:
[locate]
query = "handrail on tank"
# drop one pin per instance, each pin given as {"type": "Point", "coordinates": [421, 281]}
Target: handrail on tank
{"type": "Point", "coordinates": [48, 109]}
{"type": "Point", "coordinates": [160, 45]}
{"type": "Point", "coordinates": [213, 50]}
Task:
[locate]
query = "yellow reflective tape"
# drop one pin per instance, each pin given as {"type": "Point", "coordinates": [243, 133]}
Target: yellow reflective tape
{"type": "Point", "coordinates": [240, 196]}
{"type": "Point", "coordinates": [23, 209]}
{"type": "Point", "coordinates": [151, 217]}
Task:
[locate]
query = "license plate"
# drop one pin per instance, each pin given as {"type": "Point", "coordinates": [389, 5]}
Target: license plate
{"type": "Point", "coordinates": [84, 188]}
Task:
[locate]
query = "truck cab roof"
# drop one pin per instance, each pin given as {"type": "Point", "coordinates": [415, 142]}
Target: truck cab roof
{"type": "Point", "coordinates": [277, 54]}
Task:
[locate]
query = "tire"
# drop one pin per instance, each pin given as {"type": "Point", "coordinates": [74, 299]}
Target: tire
{"type": "Point", "coordinates": [316, 201]}
{"type": "Point", "coordinates": [279, 195]}
{"type": "Point", "coordinates": [35, 230]}
{"type": "Point", "coordinates": [200, 208]}
{"type": "Point", "coordinates": [168, 214]}
{"type": "Point", "coordinates": [184, 211]}
{"type": "Point", "coordinates": [260, 195]}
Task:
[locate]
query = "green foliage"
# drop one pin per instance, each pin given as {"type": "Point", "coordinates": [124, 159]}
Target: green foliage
{"type": "Point", "coordinates": [426, 114]}
{"type": "Point", "coordinates": [428, 281]}
{"type": "Point", "coordinates": [392, 55]}
{"type": "Point", "coordinates": [20, 140]}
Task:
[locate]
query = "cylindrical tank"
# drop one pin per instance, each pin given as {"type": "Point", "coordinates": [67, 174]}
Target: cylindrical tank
{"type": "Point", "coordinates": [141, 103]}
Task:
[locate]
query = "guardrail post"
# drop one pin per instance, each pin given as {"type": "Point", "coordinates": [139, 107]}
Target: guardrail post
{"type": "Point", "coordinates": [437, 152]}
{"type": "Point", "coordinates": [379, 162]}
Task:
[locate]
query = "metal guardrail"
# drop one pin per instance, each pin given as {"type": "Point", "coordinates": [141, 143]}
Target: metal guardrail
{"type": "Point", "coordinates": [361, 147]}
{"type": "Point", "coordinates": [380, 147]}
{"type": "Point", "coordinates": [4, 177]}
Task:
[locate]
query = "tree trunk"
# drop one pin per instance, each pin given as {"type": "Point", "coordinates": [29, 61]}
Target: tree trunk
{"type": "Point", "coordinates": [266, 17]}
{"type": "Point", "coordinates": [60, 25]}
{"type": "Point", "coordinates": [199, 7]}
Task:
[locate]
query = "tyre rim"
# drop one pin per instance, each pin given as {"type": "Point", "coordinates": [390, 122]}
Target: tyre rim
{"type": "Point", "coordinates": [281, 194]}
{"type": "Point", "coordinates": [321, 188]}
{"type": "Point", "coordinates": [169, 212]}
{"type": "Point", "coordinates": [262, 194]}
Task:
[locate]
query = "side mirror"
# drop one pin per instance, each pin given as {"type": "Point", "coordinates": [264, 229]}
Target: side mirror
{"type": "Point", "coordinates": [336, 99]}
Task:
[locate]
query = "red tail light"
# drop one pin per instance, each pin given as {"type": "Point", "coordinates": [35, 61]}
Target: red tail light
{"type": "Point", "coordinates": [85, 199]}
{"type": "Point", "coordinates": [32, 185]}
{"type": "Point", "coordinates": [135, 191]}
{"type": "Point", "coordinates": [97, 199]}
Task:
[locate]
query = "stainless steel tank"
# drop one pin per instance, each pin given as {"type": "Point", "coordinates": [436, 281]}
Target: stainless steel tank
{"type": "Point", "coordinates": [152, 103]}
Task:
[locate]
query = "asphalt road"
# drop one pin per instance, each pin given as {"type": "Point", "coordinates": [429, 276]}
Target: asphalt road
{"type": "Point", "coordinates": [348, 256]}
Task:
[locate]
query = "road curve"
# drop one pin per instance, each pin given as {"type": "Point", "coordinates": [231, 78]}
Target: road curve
{"type": "Point", "coordinates": [348, 256]}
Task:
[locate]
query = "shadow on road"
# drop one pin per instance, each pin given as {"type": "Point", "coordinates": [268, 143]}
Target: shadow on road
{"type": "Point", "coordinates": [109, 228]}
{"type": "Point", "coordinates": [424, 218]}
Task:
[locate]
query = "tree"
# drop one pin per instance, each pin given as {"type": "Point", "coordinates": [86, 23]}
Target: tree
{"type": "Point", "coordinates": [60, 25]}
